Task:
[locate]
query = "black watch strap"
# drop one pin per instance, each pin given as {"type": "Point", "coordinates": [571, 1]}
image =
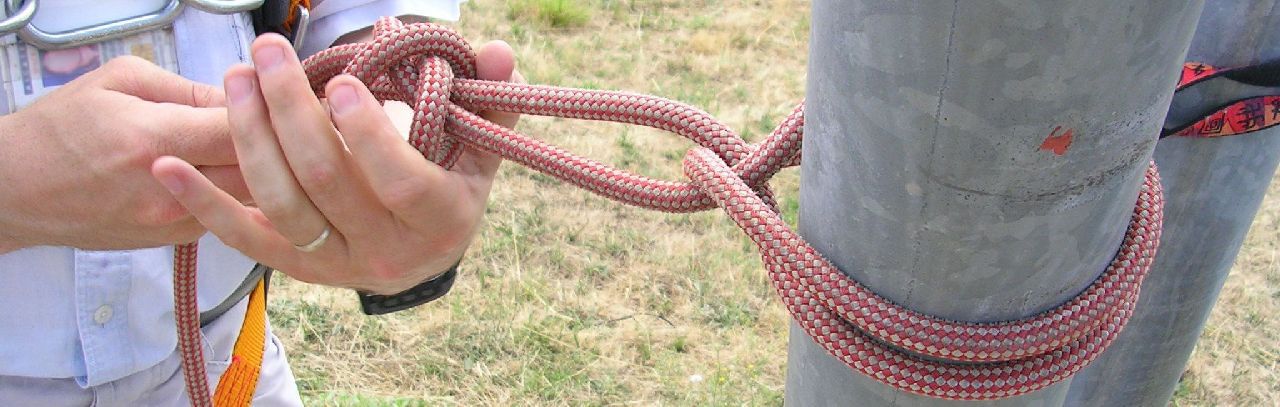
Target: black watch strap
{"type": "Point", "coordinates": [427, 291]}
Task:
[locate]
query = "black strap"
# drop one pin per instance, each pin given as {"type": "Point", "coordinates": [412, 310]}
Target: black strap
{"type": "Point", "coordinates": [1266, 74]}
{"type": "Point", "coordinates": [259, 272]}
{"type": "Point", "coordinates": [427, 291]}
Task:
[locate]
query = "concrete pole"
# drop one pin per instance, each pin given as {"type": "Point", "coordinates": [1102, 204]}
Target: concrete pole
{"type": "Point", "coordinates": [1213, 188]}
{"type": "Point", "coordinates": [937, 169]}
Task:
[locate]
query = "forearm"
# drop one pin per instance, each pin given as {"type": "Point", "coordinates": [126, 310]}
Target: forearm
{"type": "Point", "coordinates": [7, 243]}
{"type": "Point", "coordinates": [12, 134]}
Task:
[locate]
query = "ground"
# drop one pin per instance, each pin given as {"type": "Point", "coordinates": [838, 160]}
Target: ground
{"type": "Point", "coordinates": [569, 299]}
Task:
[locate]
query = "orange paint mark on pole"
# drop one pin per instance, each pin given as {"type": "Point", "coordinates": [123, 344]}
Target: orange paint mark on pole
{"type": "Point", "coordinates": [1057, 143]}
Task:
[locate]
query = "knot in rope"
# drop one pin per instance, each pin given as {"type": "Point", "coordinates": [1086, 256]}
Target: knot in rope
{"type": "Point", "coordinates": [431, 68]}
{"type": "Point", "coordinates": [415, 64]}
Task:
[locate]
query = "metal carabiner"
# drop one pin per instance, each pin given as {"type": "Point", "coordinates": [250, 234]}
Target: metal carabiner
{"type": "Point", "coordinates": [97, 32]}
{"type": "Point", "coordinates": [19, 19]}
{"type": "Point", "coordinates": [236, 6]}
{"type": "Point", "coordinates": [300, 29]}
{"type": "Point", "coordinates": [224, 6]}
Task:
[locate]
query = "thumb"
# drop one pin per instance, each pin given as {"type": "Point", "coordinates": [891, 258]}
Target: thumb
{"type": "Point", "coordinates": [142, 79]}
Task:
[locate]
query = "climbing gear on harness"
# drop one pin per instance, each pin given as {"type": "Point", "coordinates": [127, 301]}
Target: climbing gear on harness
{"type": "Point", "coordinates": [17, 17]}
{"type": "Point", "coordinates": [289, 18]}
{"type": "Point", "coordinates": [224, 6]}
{"type": "Point", "coordinates": [22, 11]}
{"type": "Point", "coordinates": [257, 273]}
{"type": "Point", "coordinates": [432, 68]}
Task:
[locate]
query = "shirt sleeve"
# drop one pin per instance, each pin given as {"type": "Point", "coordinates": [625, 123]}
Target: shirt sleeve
{"type": "Point", "coordinates": [331, 19]}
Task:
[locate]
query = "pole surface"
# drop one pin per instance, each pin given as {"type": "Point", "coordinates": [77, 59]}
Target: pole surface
{"type": "Point", "coordinates": [1213, 189]}
{"type": "Point", "coordinates": [937, 168]}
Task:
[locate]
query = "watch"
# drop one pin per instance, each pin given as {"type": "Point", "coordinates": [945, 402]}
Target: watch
{"type": "Point", "coordinates": [427, 291]}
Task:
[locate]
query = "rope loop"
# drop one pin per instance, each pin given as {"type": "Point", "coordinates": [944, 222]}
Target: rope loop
{"type": "Point", "coordinates": [432, 69]}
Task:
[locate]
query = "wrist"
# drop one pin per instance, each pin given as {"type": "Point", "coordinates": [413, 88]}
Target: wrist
{"type": "Point", "coordinates": [410, 279]}
{"type": "Point", "coordinates": [8, 245]}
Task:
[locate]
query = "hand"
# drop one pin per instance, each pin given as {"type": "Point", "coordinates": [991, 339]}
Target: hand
{"type": "Point", "coordinates": [395, 219]}
{"type": "Point", "coordinates": [75, 164]}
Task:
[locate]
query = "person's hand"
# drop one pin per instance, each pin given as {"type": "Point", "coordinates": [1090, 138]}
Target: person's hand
{"type": "Point", "coordinates": [75, 164]}
{"type": "Point", "coordinates": [394, 218]}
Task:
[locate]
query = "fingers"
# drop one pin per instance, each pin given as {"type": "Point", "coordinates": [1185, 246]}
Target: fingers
{"type": "Point", "coordinates": [311, 145]}
{"type": "Point", "coordinates": [198, 135]}
{"type": "Point", "coordinates": [483, 164]}
{"type": "Point", "coordinates": [236, 225]}
{"type": "Point", "coordinates": [138, 77]}
{"type": "Point", "coordinates": [229, 179]}
{"type": "Point", "coordinates": [266, 173]}
{"type": "Point", "coordinates": [412, 188]}
{"type": "Point", "coordinates": [495, 61]}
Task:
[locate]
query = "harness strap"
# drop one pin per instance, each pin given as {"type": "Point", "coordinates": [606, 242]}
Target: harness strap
{"type": "Point", "coordinates": [1246, 114]}
{"type": "Point", "coordinates": [259, 272]}
{"type": "Point", "coordinates": [241, 379]}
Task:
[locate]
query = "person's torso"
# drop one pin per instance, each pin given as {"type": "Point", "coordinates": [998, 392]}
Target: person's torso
{"type": "Point", "coordinates": [101, 315]}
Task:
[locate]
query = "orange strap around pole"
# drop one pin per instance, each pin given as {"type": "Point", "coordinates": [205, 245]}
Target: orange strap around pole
{"type": "Point", "coordinates": [238, 383]}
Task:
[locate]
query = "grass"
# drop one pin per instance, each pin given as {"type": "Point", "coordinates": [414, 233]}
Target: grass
{"type": "Point", "coordinates": [569, 299]}
{"type": "Point", "coordinates": [551, 13]}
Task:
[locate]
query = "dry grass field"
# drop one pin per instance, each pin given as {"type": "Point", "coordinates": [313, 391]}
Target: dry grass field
{"type": "Point", "coordinates": [569, 299]}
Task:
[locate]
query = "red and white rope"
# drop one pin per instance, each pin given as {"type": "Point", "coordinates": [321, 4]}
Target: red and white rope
{"type": "Point", "coordinates": [432, 68]}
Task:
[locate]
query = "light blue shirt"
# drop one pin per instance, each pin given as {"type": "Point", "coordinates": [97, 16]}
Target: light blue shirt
{"type": "Point", "coordinates": [98, 316]}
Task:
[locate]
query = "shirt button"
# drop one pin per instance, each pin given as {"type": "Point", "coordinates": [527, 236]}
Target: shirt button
{"type": "Point", "coordinates": [102, 315]}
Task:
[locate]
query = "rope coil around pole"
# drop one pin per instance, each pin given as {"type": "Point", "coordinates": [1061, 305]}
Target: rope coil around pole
{"type": "Point", "coordinates": [432, 68]}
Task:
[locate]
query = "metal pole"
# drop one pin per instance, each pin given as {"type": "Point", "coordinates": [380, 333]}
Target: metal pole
{"type": "Point", "coordinates": [976, 161]}
{"type": "Point", "coordinates": [1214, 188]}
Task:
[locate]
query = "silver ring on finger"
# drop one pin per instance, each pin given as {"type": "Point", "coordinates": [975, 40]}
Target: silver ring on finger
{"type": "Point", "coordinates": [315, 244]}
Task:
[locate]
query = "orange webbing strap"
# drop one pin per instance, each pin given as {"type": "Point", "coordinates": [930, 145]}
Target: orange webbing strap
{"type": "Point", "coordinates": [238, 383]}
{"type": "Point", "coordinates": [292, 17]}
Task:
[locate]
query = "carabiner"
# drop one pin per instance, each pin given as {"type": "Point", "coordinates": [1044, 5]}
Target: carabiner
{"type": "Point", "coordinates": [18, 19]}
{"type": "Point", "coordinates": [224, 6]}
{"type": "Point", "coordinates": [97, 32]}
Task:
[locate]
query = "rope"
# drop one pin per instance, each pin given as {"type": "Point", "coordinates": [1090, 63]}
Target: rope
{"type": "Point", "coordinates": [432, 69]}
{"type": "Point", "coordinates": [186, 314]}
